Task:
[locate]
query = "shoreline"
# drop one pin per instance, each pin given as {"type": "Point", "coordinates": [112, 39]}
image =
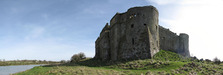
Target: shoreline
{"type": "Point", "coordinates": [13, 69]}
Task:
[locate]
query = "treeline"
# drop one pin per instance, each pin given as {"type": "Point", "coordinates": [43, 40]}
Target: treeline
{"type": "Point", "coordinates": [26, 62]}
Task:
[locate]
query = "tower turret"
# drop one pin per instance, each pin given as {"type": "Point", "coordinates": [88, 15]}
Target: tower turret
{"type": "Point", "coordinates": [184, 45]}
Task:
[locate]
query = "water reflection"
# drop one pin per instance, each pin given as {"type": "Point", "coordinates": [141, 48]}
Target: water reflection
{"type": "Point", "coordinates": [7, 70]}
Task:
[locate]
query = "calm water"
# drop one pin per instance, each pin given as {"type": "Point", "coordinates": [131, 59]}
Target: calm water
{"type": "Point", "coordinates": [7, 70]}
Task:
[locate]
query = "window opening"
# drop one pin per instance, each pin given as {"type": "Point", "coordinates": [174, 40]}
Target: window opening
{"type": "Point", "coordinates": [132, 25]}
{"type": "Point", "coordinates": [133, 41]}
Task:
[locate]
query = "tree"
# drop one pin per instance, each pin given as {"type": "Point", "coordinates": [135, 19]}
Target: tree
{"type": "Point", "coordinates": [82, 55]}
{"type": "Point", "coordinates": [78, 57]}
{"type": "Point", "coordinates": [207, 60]}
{"type": "Point", "coordinates": [75, 58]}
{"type": "Point", "coordinates": [63, 61]}
{"type": "Point", "coordinates": [217, 61]}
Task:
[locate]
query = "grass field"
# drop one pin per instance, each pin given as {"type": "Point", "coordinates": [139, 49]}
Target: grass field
{"type": "Point", "coordinates": [25, 62]}
{"type": "Point", "coordinates": [171, 64]}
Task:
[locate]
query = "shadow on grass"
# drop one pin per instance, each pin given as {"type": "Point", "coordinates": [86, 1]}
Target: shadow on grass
{"type": "Point", "coordinates": [91, 62]}
{"type": "Point", "coordinates": [86, 62]}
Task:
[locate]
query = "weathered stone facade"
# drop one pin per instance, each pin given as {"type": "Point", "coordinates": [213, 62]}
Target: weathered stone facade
{"type": "Point", "coordinates": [172, 42]}
{"type": "Point", "coordinates": [136, 34]}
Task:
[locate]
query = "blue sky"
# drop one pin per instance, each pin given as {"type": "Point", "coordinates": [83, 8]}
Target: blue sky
{"type": "Point", "coordinates": [57, 29]}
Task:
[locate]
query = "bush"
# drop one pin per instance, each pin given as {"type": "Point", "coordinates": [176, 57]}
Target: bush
{"type": "Point", "coordinates": [164, 55]}
{"type": "Point", "coordinates": [217, 61]}
{"type": "Point", "coordinates": [194, 59]}
{"type": "Point", "coordinates": [77, 57]}
{"type": "Point", "coordinates": [207, 60]}
{"type": "Point", "coordinates": [63, 61]}
{"type": "Point", "coordinates": [82, 55]}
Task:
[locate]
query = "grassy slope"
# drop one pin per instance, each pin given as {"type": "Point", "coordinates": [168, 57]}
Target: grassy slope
{"type": "Point", "coordinates": [164, 62]}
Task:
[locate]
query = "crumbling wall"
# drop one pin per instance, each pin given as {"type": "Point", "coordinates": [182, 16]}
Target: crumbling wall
{"type": "Point", "coordinates": [103, 44]}
{"type": "Point", "coordinates": [132, 35]}
{"type": "Point", "coordinates": [136, 34]}
{"type": "Point", "coordinates": [184, 45]}
{"type": "Point", "coordinates": [170, 41]}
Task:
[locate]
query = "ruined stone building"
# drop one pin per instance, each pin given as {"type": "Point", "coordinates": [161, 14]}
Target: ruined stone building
{"type": "Point", "coordinates": [136, 34]}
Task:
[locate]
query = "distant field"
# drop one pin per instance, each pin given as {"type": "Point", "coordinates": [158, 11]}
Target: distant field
{"type": "Point", "coordinates": [170, 63]}
{"type": "Point", "coordinates": [25, 62]}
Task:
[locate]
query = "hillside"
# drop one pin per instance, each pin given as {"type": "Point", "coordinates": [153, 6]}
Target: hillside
{"type": "Point", "coordinates": [164, 62]}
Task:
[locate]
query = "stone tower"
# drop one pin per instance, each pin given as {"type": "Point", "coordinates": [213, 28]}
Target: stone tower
{"type": "Point", "coordinates": [134, 34]}
{"type": "Point", "coordinates": [184, 45]}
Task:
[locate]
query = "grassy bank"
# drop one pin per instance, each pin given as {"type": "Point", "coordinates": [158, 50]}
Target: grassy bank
{"type": "Point", "coordinates": [25, 62]}
{"type": "Point", "coordinates": [134, 67]}
{"type": "Point", "coordinates": [164, 62]}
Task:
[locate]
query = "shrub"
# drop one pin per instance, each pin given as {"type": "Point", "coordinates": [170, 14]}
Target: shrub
{"type": "Point", "coordinates": [63, 61]}
{"type": "Point", "coordinates": [77, 57]}
{"type": "Point", "coordinates": [201, 60]}
{"type": "Point", "coordinates": [82, 55]}
{"type": "Point", "coordinates": [194, 59]}
{"type": "Point", "coordinates": [207, 60]}
{"type": "Point", "coordinates": [217, 61]}
{"type": "Point", "coordinates": [167, 56]}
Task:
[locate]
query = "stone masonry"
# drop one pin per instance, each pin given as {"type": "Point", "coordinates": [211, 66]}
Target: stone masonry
{"type": "Point", "coordinates": [136, 34]}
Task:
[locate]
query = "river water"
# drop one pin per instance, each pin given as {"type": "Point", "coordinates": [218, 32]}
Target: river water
{"type": "Point", "coordinates": [7, 70]}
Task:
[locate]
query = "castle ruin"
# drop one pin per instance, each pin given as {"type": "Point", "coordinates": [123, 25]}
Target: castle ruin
{"type": "Point", "coordinates": [136, 34]}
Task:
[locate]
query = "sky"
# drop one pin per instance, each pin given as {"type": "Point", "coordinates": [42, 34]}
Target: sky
{"type": "Point", "coordinates": [57, 29]}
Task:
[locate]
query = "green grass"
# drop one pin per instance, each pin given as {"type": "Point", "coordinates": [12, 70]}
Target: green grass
{"type": "Point", "coordinates": [164, 62]}
{"type": "Point", "coordinates": [105, 70]}
{"type": "Point", "coordinates": [25, 62]}
{"type": "Point", "coordinates": [70, 70]}
{"type": "Point", "coordinates": [168, 56]}
{"type": "Point", "coordinates": [36, 70]}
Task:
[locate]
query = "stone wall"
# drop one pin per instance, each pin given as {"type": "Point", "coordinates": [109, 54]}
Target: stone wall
{"type": "Point", "coordinates": [135, 34]}
{"type": "Point", "coordinates": [184, 45]}
{"type": "Point", "coordinates": [170, 41]}
{"type": "Point", "coordinates": [102, 44]}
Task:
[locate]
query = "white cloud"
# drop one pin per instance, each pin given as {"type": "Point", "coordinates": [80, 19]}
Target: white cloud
{"type": "Point", "coordinates": [35, 32]}
{"type": "Point", "coordinates": [163, 2]}
{"type": "Point", "coordinates": [185, 2]}
{"type": "Point", "coordinates": [201, 2]}
{"type": "Point", "coordinates": [202, 20]}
